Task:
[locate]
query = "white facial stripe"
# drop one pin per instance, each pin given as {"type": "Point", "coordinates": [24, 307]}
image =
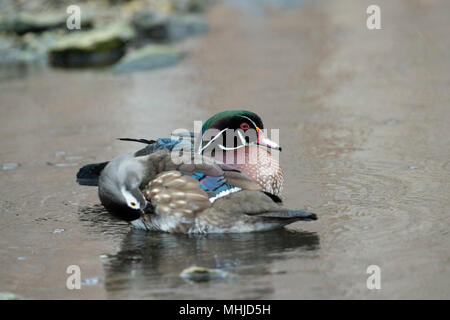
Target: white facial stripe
{"type": "Point", "coordinates": [241, 137]}
{"type": "Point", "coordinates": [200, 150]}
{"type": "Point", "coordinates": [211, 141]}
{"type": "Point", "coordinates": [230, 148]}
{"type": "Point", "coordinates": [130, 199]}
{"type": "Point", "coordinates": [250, 120]}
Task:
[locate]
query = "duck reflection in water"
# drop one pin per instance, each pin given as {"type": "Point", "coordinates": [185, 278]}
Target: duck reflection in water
{"type": "Point", "coordinates": [148, 265]}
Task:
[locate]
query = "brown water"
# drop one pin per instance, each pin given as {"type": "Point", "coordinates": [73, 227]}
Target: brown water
{"type": "Point", "coordinates": [364, 121]}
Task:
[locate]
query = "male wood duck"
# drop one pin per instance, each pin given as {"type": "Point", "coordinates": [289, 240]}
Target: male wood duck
{"type": "Point", "coordinates": [209, 193]}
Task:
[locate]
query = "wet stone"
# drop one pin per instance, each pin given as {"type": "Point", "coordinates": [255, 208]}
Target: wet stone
{"type": "Point", "coordinates": [149, 57]}
{"type": "Point", "coordinates": [201, 274]}
{"type": "Point", "coordinates": [62, 165]}
{"type": "Point", "coordinates": [185, 25]}
{"type": "Point", "coordinates": [98, 47]}
{"type": "Point", "coordinates": [391, 122]}
{"type": "Point", "coordinates": [28, 22]}
{"type": "Point", "coordinates": [73, 158]}
{"type": "Point", "coordinates": [9, 296]}
{"type": "Point", "coordinates": [191, 5]}
{"type": "Point", "coordinates": [10, 166]}
{"type": "Point", "coordinates": [150, 25]}
{"type": "Point", "coordinates": [91, 281]}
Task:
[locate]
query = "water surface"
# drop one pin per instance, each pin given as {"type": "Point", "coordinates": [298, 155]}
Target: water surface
{"type": "Point", "coordinates": [364, 124]}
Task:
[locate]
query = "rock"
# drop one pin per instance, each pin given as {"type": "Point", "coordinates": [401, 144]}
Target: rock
{"type": "Point", "coordinates": [98, 47]}
{"type": "Point", "coordinates": [10, 166]}
{"type": "Point", "coordinates": [151, 25]}
{"type": "Point", "coordinates": [163, 7]}
{"type": "Point", "coordinates": [9, 296]}
{"type": "Point", "coordinates": [191, 5]}
{"type": "Point", "coordinates": [184, 25]}
{"type": "Point", "coordinates": [201, 274]}
{"type": "Point", "coordinates": [391, 122]}
{"type": "Point", "coordinates": [38, 45]}
{"type": "Point", "coordinates": [91, 281]}
{"type": "Point", "coordinates": [13, 53]}
{"type": "Point", "coordinates": [149, 57]}
{"type": "Point", "coordinates": [27, 22]}
{"type": "Point", "coordinates": [163, 28]}
{"type": "Point", "coordinates": [62, 164]}
{"type": "Point", "coordinates": [23, 23]}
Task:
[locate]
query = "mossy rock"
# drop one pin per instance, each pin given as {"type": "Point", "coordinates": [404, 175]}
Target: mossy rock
{"type": "Point", "coordinates": [149, 57]}
{"type": "Point", "coordinates": [98, 47]}
{"type": "Point", "coordinates": [151, 25]}
{"type": "Point", "coordinates": [37, 22]}
{"type": "Point", "coordinates": [185, 25]}
{"type": "Point", "coordinates": [191, 5]}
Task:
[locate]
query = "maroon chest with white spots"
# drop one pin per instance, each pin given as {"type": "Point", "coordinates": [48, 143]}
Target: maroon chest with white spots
{"type": "Point", "coordinates": [259, 165]}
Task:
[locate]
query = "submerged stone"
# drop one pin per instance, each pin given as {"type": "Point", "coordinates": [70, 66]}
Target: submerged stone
{"type": "Point", "coordinates": [98, 47]}
{"type": "Point", "coordinates": [149, 57]}
{"type": "Point", "coordinates": [150, 25]}
{"type": "Point", "coordinates": [201, 274]}
{"type": "Point", "coordinates": [191, 5]}
{"type": "Point", "coordinates": [91, 281]}
{"type": "Point", "coordinates": [166, 28]}
{"type": "Point", "coordinates": [12, 53]}
{"type": "Point", "coordinates": [10, 166]}
{"type": "Point", "coordinates": [37, 22]}
{"type": "Point", "coordinates": [9, 296]}
{"type": "Point", "coordinates": [185, 25]}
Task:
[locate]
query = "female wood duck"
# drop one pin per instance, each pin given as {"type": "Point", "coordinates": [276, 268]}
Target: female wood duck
{"type": "Point", "coordinates": [206, 194]}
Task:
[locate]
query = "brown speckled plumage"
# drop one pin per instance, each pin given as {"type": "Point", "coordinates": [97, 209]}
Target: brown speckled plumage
{"type": "Point", "coordinates": [180, 205]}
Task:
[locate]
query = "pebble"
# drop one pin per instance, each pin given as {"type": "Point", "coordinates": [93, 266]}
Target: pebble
{"type": "Point", "coordinates": [201, 274]}
{"type": "Point", "coordinates": [91, 281]}
{"type": "Point", "coordinates": [73, 158]}
{"type": "Point", "coordinates": [9, 296]}
{"type": "Point", "coordinates": [62, 165]}
{"type": "Point", "coordinates": [10, 166]}
{"type": "Point", "coordinates": [391, 122]}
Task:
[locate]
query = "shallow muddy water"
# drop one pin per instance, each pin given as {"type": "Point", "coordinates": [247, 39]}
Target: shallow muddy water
{"type": "Point", "coordinates": [364, 121]}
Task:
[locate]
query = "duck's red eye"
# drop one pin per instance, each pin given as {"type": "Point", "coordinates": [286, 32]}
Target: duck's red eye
{"type": "Point", "coordinates": [245, 126]}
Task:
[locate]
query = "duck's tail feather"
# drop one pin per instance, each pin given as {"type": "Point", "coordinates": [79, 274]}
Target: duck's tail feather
{"type": "Point", "coordinates": [90, 173]}
{"type": "Point", "coordinates": [145, 141]}
{"type": "Point", "coordinates": [290, 215]}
